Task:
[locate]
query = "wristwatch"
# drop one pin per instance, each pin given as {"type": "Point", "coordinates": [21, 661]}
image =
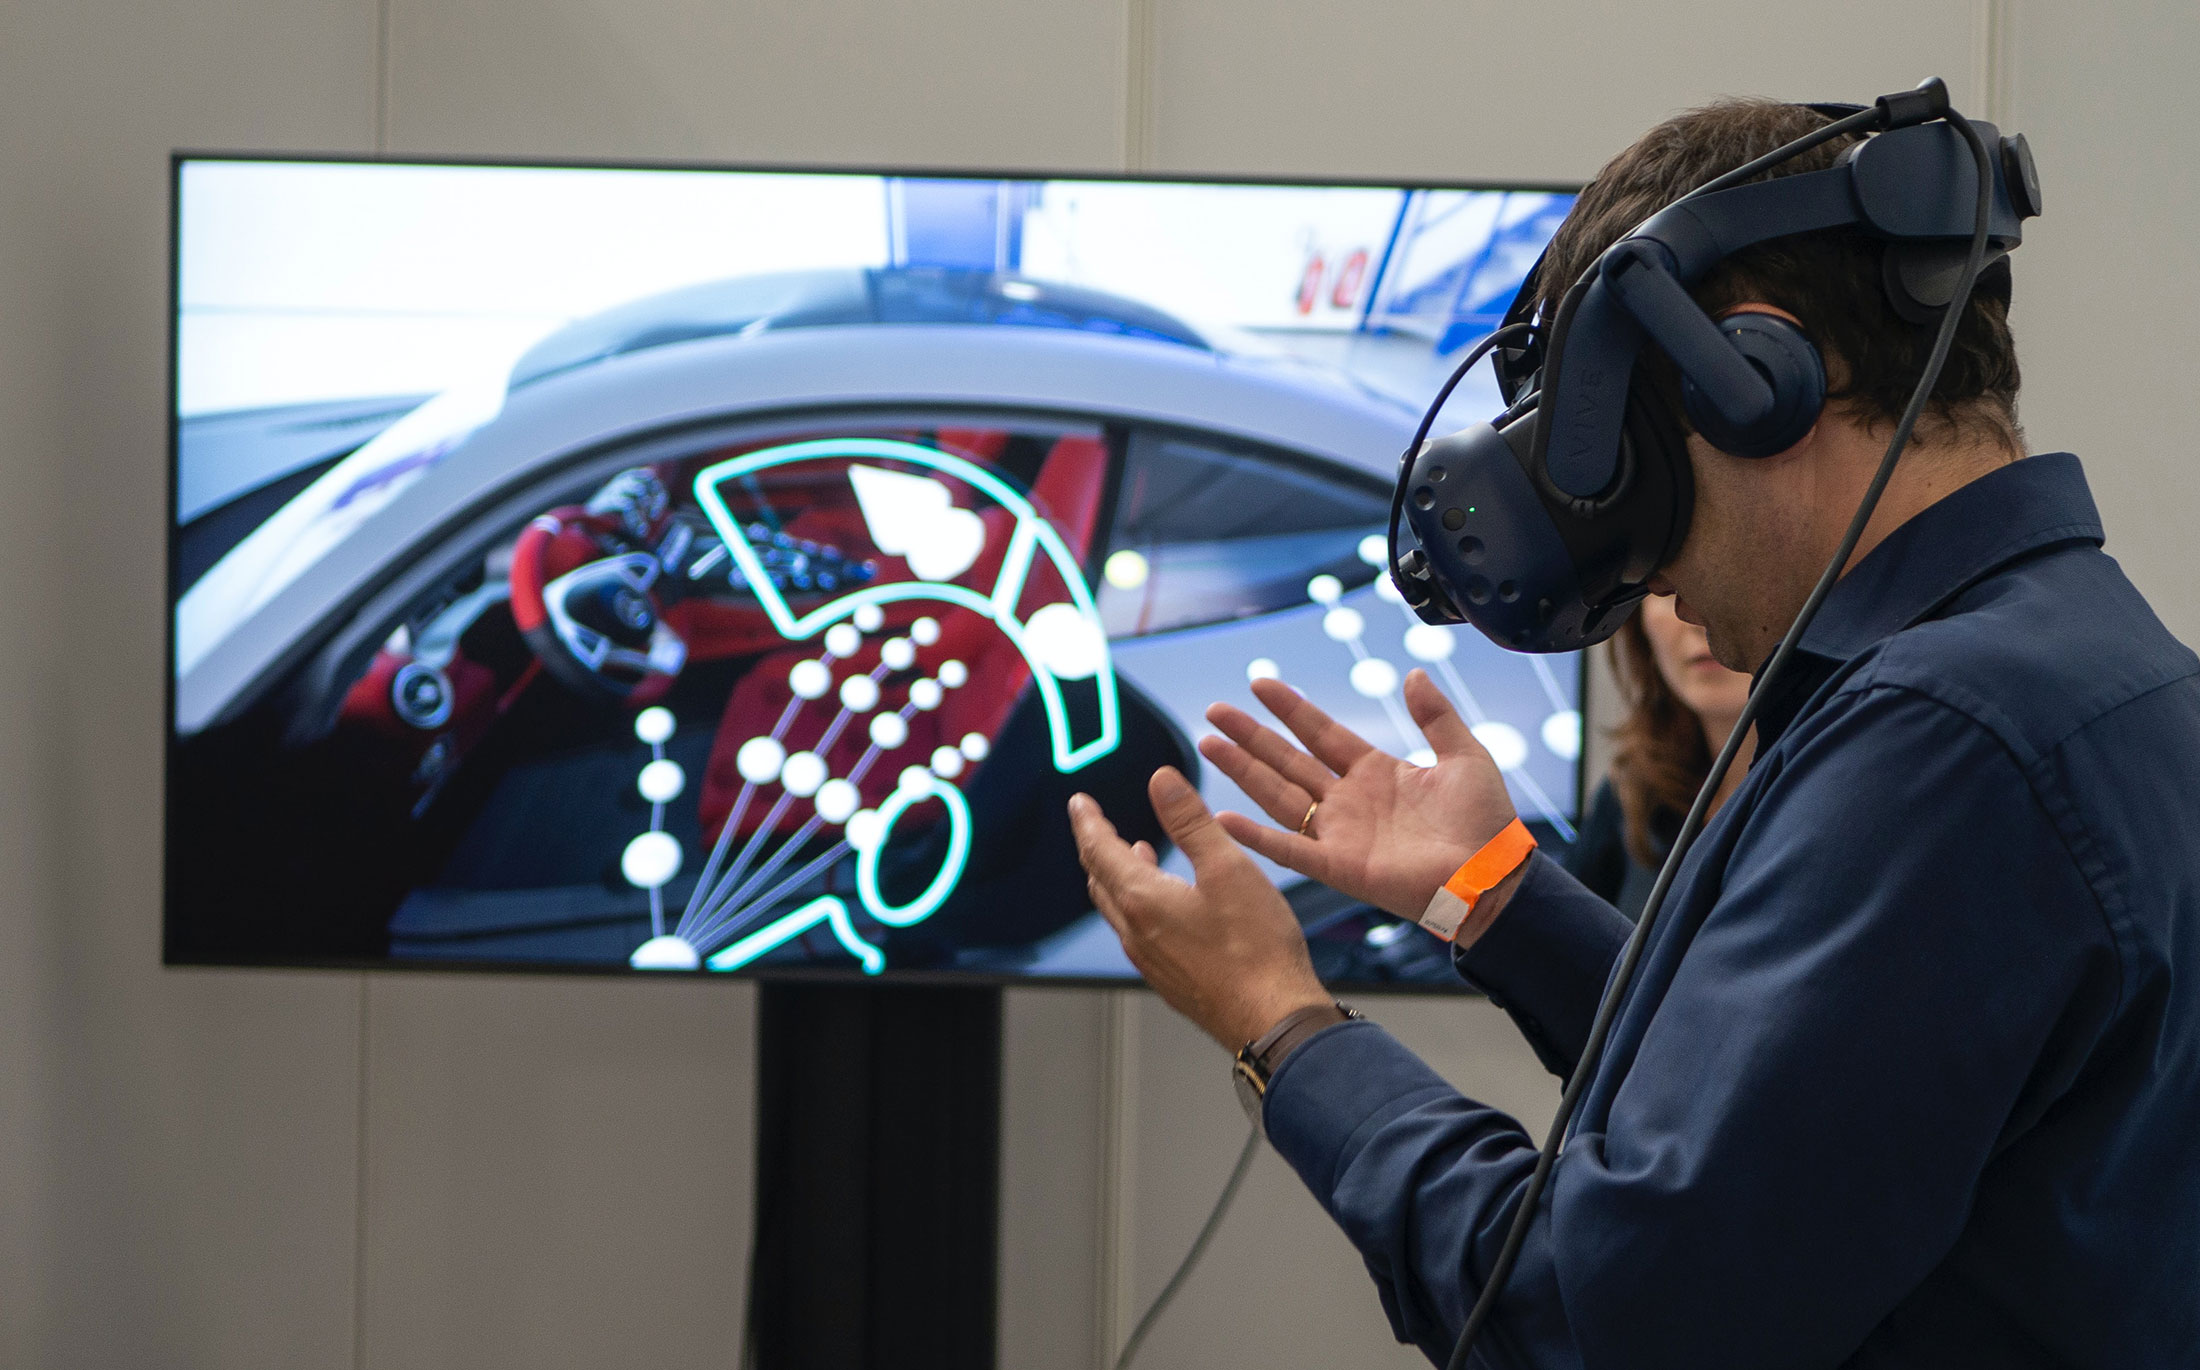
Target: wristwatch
{"type": "Point", "coordinates": [1258, 1059]}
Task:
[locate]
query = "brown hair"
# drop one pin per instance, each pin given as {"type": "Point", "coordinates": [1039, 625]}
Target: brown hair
{"type": "Point", "coordinates": [1830, 281]}
{"type": "Point", "coordinates": [1660, 754]}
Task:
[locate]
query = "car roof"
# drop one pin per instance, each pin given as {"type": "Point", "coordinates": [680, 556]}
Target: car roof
{"type": "Point", "coordinates": [842, 297]}
{"type": "Point", "coordinates": [784, 375]}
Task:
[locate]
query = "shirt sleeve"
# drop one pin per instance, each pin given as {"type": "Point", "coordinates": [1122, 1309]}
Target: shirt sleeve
{"type": "Point", "coordinates": [1545, 961]}
{"type": "Point", "coordinates": [1902, 966]}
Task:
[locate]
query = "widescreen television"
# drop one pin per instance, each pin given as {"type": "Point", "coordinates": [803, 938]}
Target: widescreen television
{"type": "Point", "coordinates": [692, 569]}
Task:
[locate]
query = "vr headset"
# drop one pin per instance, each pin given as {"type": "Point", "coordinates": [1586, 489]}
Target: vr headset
{"type": "Point", "coordinates": [1541, 527]}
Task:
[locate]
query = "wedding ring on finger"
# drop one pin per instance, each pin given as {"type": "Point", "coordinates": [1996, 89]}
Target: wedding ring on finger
{"type": "Point", "coordinates": [1308, 821]}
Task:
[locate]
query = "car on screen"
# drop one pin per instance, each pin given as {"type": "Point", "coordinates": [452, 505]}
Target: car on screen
{"type": "Point", "coordinates": [770, 622]}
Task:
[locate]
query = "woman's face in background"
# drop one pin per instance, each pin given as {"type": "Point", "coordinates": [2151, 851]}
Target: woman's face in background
{"type": "Point", "coordinates": [1711, 691]}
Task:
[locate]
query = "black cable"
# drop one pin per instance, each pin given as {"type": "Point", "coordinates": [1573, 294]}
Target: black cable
{"type": "Point", "coordinates": [1191, 1257]}
{"type": "Point", "coordinates": [1608, 1008]}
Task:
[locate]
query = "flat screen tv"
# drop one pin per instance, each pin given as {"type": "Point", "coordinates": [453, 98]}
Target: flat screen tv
{"type": "Point", "coordinates": [705, 569]}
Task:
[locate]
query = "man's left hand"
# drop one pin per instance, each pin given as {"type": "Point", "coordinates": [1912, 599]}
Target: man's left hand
{"type": "Point", "coordinates": [1225, 951]}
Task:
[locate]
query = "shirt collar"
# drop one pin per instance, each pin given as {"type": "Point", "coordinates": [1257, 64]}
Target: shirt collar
{"type": "Point", "coordinates": [1942, 551]}
{"type": "Point", "coordinates": [1950, 546]}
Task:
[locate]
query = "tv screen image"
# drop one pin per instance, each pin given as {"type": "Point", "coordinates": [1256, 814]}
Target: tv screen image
{"type": "Point", "coordinates": [709, 570]}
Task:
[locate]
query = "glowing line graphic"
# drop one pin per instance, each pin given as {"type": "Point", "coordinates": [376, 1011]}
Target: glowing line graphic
{"type": "Point", "coordinates": [1029, 525]}
{"type": "Point", "coordinates": [951, 868]}
{"type": "Point", "coordinates": [729, 895]}
{"type": "Point", "coordinates": [823, 909]}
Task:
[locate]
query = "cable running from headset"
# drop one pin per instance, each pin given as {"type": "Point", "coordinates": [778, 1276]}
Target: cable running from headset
{"type": "Point", "coordinates": [1631, 954]}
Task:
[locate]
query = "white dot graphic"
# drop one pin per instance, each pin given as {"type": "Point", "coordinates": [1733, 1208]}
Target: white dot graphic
{"type": "Point", "coordinates": [913, 778]}
{"type": "Point", "coordinates": [1430, 642]}
{"type": "Point", "coordinates": [653, 725]}
{"type": "Point", "coordinates": [975, 746]}
{"type": "Point", "coordinates": [759, 760]}
{"type": "Point", "coordinates": [1375, 549]}
{"type": "Point", "coordinates": [1562, 733]}
{"type": "Point", "coordinates": [870, 618]}
{"type": "Point", "coordinates": [1068, 643]}
{"type": "Point", "coordinates": [842, 639]}
{"type": "Point", "coordinates": [1343, 624]}
{"type": "Point", "coordinates": [925, 694]}
{"type": "Point", "coordinates": [1126, 570]}
{"type": "Point", "coordinates": [947, 762]}
{"type": "Point", "coordinates": [802, 774]}
{"type": "Point", "coordinates": [899, 653]}
{"type": "Point", "coordinates": [1504, 744]}
{"type": "Point", "coordinates": [650, 860]}
{"type": "Point", "coordinates": [888, 731]}
{"type": "Point", "coordinates": [953, 674]}
{"type": "Point", "coordinates": [1388, 592]}
{"type": "Point", "coordinates": [1261, 668]}
{"type": "Point", "coordinates": [1324, 589]}
{"type": "Point", "coordinates": [864, 829]}
{"type": "Point", "coordinates": [1374, 677]}
{"type": "Point", "coordinates": [810, 679]}
{"type": "Point", "coordinates": [926, 631]}
{"type": "Point", "coordinates": [666, 953]}
{"type": "Point", "coordinates": [661, 781]}
{"type": "Point", "coordinates": [859, 694]}
{"type": "Point", "coordinates": [837, 801]}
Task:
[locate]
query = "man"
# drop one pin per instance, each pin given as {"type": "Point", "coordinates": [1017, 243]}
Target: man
{"type": "Point", "coordinates": [1925, 1090]}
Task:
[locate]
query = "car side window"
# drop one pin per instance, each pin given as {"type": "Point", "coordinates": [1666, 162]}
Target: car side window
{"type": "Point", "coordinates": [1207, 531]}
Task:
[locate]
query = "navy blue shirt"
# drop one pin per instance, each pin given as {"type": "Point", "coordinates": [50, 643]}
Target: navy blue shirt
{"type": "Point", "coordinates": [1925, 1090]}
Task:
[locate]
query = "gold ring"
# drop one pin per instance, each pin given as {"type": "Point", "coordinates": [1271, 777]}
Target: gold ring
{"type": "Point", "coordinates": [1308, 821]}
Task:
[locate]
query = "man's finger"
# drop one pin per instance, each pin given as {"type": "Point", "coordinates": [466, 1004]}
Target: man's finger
{"type": "Point", "coordinates": [1269, 748]}
{"type": "Point", "coordinates": [1143, 850]}
{"type": "Point", "coordinates": [1185, 818]}
{"type": "Point", "coordinates": [1277, 797]}
{"type": "Point", "coordinates": [1446, 732]}
{"type": "Point", "coordinates": [1332, 743]}
{"type": "Point", "coordinates": [1104, 901]}
{"type": "Point", "coordinates": [1107, 858]}
{"type": "Point", "coordinates": [1287, 849]}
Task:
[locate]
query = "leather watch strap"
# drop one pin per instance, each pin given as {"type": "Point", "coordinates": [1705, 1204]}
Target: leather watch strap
{"type": "Point", "coordinates": [1266, 1052]}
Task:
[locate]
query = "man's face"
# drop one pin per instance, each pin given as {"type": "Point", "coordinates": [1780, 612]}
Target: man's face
{"type": "Point", "coordinates": [1751, 553]}
{"type": "Point", "coordinates": [1757, 542]}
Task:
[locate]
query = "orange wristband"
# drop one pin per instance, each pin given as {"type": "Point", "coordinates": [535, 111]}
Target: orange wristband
{"type": "Point", "coordinates": [1499, 857]}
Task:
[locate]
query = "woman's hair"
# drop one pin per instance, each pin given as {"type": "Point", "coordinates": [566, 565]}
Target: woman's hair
{"type": "Point", "coordinates": [1660, 756]}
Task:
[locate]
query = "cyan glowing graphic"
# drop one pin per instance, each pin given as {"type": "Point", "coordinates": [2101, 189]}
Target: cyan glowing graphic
{"type": "Point", "coordinates": [1061, 641]}
{"type": "Point", "coordinates": [734, 916]}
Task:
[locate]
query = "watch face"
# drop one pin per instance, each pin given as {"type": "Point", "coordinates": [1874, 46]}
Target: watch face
{"type": "Point", "coordinates": [1249, 1093]}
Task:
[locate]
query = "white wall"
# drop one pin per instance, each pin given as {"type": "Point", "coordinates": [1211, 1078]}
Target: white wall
{"type": "Point", "coordinates": [319, 1170]}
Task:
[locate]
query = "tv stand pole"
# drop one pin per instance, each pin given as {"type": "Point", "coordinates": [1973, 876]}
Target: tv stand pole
{"type": "Point", "coordinates": [877, 1177]}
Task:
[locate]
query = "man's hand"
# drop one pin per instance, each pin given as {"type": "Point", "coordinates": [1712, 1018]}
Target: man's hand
{"type": "Point", "coordinates": [1384, 830]}
{"type": "Point", "coordinates": [1226, 951]}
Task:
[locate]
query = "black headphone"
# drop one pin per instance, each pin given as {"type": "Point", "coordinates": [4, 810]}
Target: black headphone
{"type": "Point", "coordinates": [1541, 527]}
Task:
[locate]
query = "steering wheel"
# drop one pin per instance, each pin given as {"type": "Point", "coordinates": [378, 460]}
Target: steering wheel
{"type": "Point", "coordinates": [593, 619]}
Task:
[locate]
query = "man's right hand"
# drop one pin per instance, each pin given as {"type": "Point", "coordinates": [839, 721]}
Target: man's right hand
{"type": "Point", "coordinates": [1384, 830]}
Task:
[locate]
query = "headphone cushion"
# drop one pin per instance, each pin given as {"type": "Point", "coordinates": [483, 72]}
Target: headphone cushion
{"type": "Point", "coordinates": [1789, 361]}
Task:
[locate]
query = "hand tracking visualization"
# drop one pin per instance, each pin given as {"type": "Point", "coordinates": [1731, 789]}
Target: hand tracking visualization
{"type": "Point", "coordinates": [735, 571]}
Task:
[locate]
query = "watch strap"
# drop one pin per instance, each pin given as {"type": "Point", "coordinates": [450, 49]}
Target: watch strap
{"type": "Point", "coordinates": [1482, 872]}
{"type": "Point", "coordinates": [1265, 1053]}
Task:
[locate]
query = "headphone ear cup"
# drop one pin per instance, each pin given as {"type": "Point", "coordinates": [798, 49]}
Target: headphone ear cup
{"type": "Point", "coordinates": [1790, 364]}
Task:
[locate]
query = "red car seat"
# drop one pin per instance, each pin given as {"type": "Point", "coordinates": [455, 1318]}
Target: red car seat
{"type": "Point", "coordinates": [1068, 492]}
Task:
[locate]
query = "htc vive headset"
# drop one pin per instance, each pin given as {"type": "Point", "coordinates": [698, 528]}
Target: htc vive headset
{"type": "Point", "coordinates": [1541, 527]}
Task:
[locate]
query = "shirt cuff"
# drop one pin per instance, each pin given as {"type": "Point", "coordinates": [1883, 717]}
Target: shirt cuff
{"type": "Point", "coordinates": [1545, 960]}
{"type": "Point", "coordinates": [1336, 1083]}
